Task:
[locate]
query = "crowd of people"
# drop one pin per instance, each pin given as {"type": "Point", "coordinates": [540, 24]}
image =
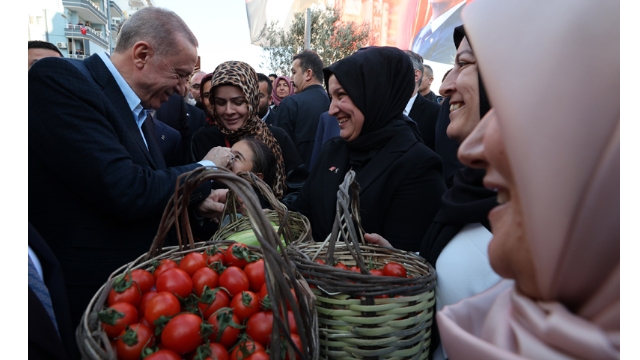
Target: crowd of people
{"type": "Point", "coordinates": [507, 182]}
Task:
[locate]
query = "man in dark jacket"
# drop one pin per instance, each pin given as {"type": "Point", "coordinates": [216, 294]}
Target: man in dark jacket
{"type": "Point", "coordinates": [298, 114]}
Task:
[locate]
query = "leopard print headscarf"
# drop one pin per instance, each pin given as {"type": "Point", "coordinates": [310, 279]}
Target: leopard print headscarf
{"type": "Point", "coordinates": [242, 75]}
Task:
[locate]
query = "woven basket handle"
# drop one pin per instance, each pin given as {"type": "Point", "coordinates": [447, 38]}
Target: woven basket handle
{"type": "Point", "coordinates": [277, 263]}
{"type": "Point", "coordinates": [233, 205]}
{"type": "Point", "coordinates": [346, 225]}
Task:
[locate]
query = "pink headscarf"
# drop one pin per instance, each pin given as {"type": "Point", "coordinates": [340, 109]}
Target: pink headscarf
{"type": "Point", "coordinates": [552, 73]}
{"type": "Point", "coordinates": [274, 96]}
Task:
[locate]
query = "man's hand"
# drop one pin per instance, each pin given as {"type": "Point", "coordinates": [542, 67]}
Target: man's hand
{"type": "Point", "coordinates": [213, 205]}
{"type": "Point", "coordinates": [221, 156]}
{"type": "Point", "coordinates": [377, 239]}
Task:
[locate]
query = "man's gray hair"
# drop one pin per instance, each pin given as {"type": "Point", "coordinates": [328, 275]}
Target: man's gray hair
{"type": "Point", "coordinates": [152, 24]}
{"type": "Point", "coordinates": [416, 60]}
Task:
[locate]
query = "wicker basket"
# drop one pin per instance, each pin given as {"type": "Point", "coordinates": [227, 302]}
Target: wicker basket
{"type": "Point", "coordinates": [281, 274]}
{"type": "Point", "coordinates": [293, 226]}
{"type": "Point", "coordinates": [361, 316]}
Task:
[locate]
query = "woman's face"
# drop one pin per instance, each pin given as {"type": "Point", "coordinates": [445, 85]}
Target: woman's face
{"type": "Point", "coordinates": [206, 88]}
{"type": "Point", "coordinates": [461, 86]}
{"type": "Point", "coordinates": [230, 106]}
{"type": "Point", "coordinates": [350, 118]}
{"type": "Point", "coordinates": [243, 157]}
{"type": "Point", "coordinates": [509, 252]}
{"type": "Point", "coordinates": [282, 89]}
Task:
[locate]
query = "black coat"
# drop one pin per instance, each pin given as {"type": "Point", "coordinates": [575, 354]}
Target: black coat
{"type": "Point", "coordinates": [298, 115]}
{"type": "Point", "coordinates": [96, 193]}
{"type": "Point", "coordinates": [425, 114]}
{"type": "Point", "coordinates": [44, 342]}
{"type": "Point", "coordinates": [445, 147]}
{"type": "Point", "coordinates": [170, 143]}
{"type": "Point", "coordinates": [400, 190]}
{"type": "Point", "coordinates": [183, 117]}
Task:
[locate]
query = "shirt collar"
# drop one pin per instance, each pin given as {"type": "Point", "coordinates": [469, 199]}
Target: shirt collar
{"type": "Point", "coordinates": [407, 108]}
{"type": "Point", "coordinates": [135, 105]}
{"type": "Point", "coordinates": [442, 18]}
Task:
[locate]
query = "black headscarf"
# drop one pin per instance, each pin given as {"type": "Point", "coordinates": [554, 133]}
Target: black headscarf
{"type": "Point", "coordinates": [380, 82]}
{"type": "Point", "coordinates": [467, 201]}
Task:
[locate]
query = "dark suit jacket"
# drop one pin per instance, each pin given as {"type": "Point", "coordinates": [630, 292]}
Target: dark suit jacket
{"type": "Point", "coordinates": [439, 46]}
{"type": "Point", "coordinates": [170, 143]}
{"type": "Point", "coordinates": [44, 342]}
{"type": "Point", "coordinates": [270, 118]}
{"type": "Point", "coordinates": [183, 117]}
{"type": "Point", "coordinates": [298, 115]}
{"type": "Point", "coordinates": [328, 128]}
{"type": "Point", "coordinates": [96, 194]}
{"type": "Point", "coordinates": [431, 96]}
{"type": "Point", "coordinates": [425, 114]}
{"type": "Point", "coordinates": [400, 190]}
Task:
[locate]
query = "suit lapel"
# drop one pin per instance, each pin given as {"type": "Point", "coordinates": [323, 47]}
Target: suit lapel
{"type": "Point", "coordinates": [105, 80]}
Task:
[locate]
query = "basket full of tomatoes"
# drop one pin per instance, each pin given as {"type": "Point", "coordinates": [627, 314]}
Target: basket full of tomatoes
{"type": "Point", "coordinates": [372, 302]}
{"type": "Point", "coordinates": [205, 300]}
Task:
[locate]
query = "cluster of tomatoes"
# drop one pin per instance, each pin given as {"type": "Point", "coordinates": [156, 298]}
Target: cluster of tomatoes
{"type": "Point", "coordinates": [210, 305]}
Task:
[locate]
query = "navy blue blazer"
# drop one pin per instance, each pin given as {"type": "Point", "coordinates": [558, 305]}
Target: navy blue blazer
{"type": "Point", "coordinates": [425, 114]}
{"type": "Point", "coordinates": [298, 115]}
{"type": "Point", "coordinates": [96, 194]}
{"type": "Point", "coordinates": [170, 143]}
{"type": "Point", "coordinates": [328, 128]}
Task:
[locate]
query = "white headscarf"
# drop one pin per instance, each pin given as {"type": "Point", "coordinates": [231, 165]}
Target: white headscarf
{"type": "Point", "coordinates": [552, 73]}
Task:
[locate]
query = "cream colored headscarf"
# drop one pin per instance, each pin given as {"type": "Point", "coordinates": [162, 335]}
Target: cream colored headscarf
{"type": "Point", "coordinates": [552, 73]}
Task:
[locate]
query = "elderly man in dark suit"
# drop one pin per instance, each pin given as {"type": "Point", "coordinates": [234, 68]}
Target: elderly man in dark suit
{"type": "Point", "coordinates": [98, 183]}
{"type": "Point", "coordinates": [298, 114]}
{"type": "Point", "coordinates": [419, 109]}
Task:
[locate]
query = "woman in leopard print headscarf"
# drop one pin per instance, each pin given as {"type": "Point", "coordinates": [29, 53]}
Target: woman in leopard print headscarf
{"type": "Point", "coordinates": [234, 98]}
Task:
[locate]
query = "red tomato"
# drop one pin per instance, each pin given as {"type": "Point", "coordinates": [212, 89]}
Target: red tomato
{"type": "Point", "coordinates": [176, 281]}
{"type": "Point", "coordinates": [376, 272]}
{"type": "Point", "coordinates": [204, 277]}
{"type": "Point", "coordinates": [163, 304]}
{"type": "Point", "coordinates": [164, 265]}
{"type": "Point", "coordinates": [298, 343]}
{"type": "Point", "coordinates": [182, 333]}
{"type": "Point", "coordinates": [213, 301]}
{"type": "Point", "coordinates": [130, 295]}
{"type": "Point", "coordinates": [293, 327]}
{"type": "Point", "coordinates": [320, 261]}
{"type": "Point", "coordinates": [245, 304]}
{"type": "Point", "coordinates": [133, 340]}
{"type": "Point", "coordinates": [226, 327]}
{"type": "Point", "coordinates": [394, 269]}
{"type": "Point", "coordinates": [192, 262]}
{"type": "Point", "coordinates": [237, 255]}
{"type": "Point", "coordinates": [259, 355]}
{"type": "Point", "coordinates": [255, 273]}
{"type": "Point", "coordinates": [144, 300]}
{"type": "Point", "coordinates": [355, 269]}
{"type": "Point", "coordinates": [234, 280]}
{"type": "Point", "coordinates": [117, 317]}
{"type": "Point", "coordinates": [244, 349]}
{"type": "Point", "coordinates": [264, 293]}
{"type": "Point", "coordinates": [212, 351]}
{"type": "Point", "coordinates": [341, 266]}
{"type": "Point", "coordinates": [219, 257]}
{"type": "Point", "coordinates": [144, 279]}
{"type": "Point", "coordinates": [164, 354]}
{"type": "Point", "coordinates": [259, 327]}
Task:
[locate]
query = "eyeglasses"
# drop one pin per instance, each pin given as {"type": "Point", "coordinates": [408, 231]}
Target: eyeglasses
{"type": "Point", "coordinates": [195, 86]}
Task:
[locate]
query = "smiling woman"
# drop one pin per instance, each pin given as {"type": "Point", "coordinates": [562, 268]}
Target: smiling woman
{"type": "Point", "coordinates": [234, 98]}
{"type": "Point", "coordinates": [400, 178]}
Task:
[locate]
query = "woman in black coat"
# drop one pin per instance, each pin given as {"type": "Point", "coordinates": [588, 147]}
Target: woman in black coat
{"type": "Point", "coordinates": [400, 178]}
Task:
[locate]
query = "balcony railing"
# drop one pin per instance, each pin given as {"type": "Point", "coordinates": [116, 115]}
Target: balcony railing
{"type": "Point", "coordinates": [99, 37]}
{"type": "Point", "coordinates": [81, 57]}
{"type": "Point", "coordinates": [87, 9]}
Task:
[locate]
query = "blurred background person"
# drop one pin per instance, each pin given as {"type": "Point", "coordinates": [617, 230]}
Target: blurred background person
{"type": "Point", "coordinates": [41, 49]}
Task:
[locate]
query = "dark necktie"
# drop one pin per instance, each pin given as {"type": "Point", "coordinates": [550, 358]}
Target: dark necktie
{"type": "Point", "coordinates": [40, 289]}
